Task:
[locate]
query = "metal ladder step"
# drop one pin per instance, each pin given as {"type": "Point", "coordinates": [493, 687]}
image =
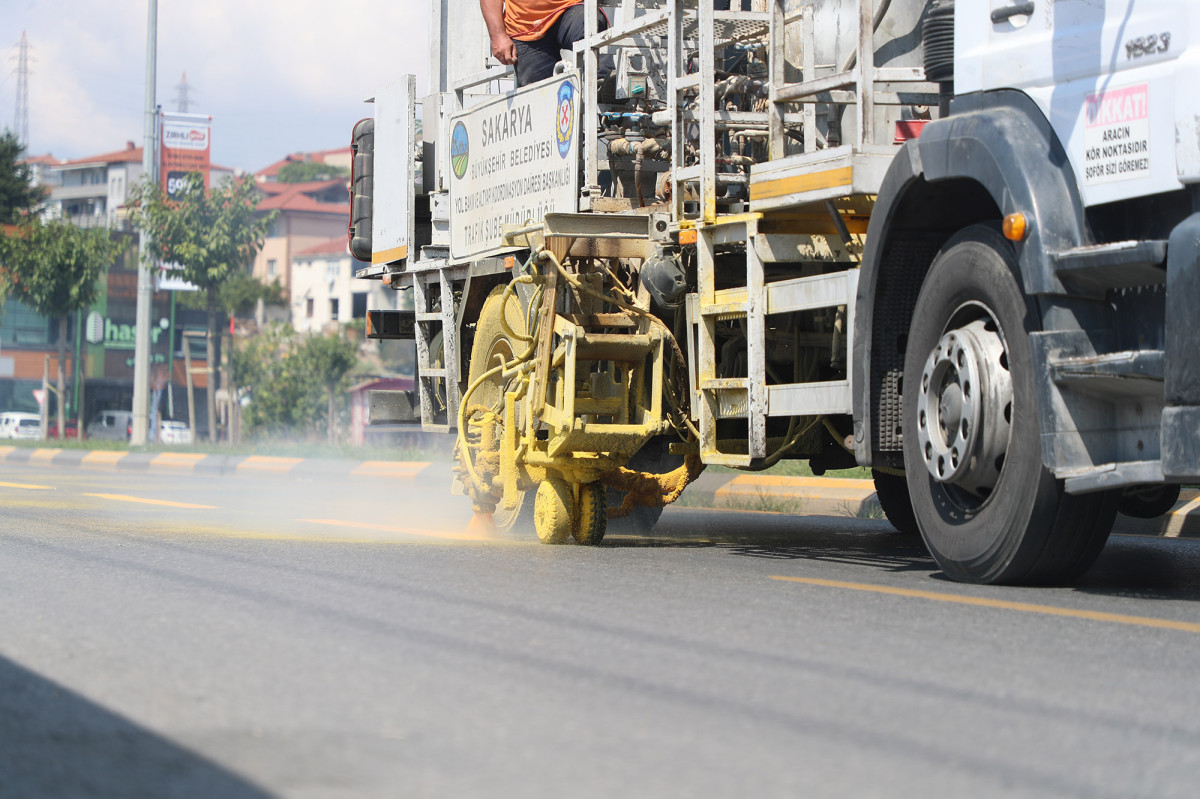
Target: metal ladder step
{"type": "Point", "coordinates": [1095, 269]}
{"type": "Point", "coordinates": [1136, 373]}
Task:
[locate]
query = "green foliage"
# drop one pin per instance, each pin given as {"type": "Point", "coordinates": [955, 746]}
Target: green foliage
{"type": "Point", "coordinates": [291, 378]}
{"type": "Point", "coordinates": [53, 267]}
{"type": "Point", "coordinates": [331, 358]}
{"type": "Point", "coordinates": [212, 235]}
{"type": "Point", "coordinates": [306, 171]}
{"type": "Point", "coordinates": [237, 296]}
{"type": "Point", "coordinates": [16, 195]}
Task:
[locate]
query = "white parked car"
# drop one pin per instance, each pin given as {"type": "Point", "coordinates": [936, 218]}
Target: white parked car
{"type": "Point", "coordinates": [14, 424]}
{"type": "Point", "coordinates": [172, 432]}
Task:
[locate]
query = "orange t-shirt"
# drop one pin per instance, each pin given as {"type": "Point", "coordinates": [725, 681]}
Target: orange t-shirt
{"type": "Point", "coordinates": [528, 20]}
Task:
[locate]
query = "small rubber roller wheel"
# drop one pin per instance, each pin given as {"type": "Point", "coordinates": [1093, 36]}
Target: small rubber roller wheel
{"type": "Point", "coordinates": [592, 517]}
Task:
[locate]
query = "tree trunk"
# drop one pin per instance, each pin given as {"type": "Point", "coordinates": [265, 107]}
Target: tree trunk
{"type": "Point", "coordinates": [332, 418]}
{"type": "Point", "coordinates": [211, 354]}
{"type": "Point", "coordinates": [62, 376]}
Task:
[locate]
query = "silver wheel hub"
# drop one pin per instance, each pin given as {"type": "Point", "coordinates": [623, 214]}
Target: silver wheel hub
{"type": "Point", "coordinates": [964, 408]}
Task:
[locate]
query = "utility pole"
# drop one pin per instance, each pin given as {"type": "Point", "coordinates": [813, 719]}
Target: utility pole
{"type": "Point", "coordinates": [145, 282]}
{"type": "Point", "coordinates": [21, 118]}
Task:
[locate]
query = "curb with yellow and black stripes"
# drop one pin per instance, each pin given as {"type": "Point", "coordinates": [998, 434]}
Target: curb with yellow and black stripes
{"type": "Point", "coordinates": [818, 496]}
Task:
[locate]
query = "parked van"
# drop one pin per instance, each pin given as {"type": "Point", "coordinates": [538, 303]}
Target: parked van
{"type": "Point", "coordinates": [14, 424]}
{"type": "Point", "coordinates": [111, 426]}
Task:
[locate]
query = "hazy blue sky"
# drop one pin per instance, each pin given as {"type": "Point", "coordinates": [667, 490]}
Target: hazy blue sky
{"type": "Point", "coordinates": [277, 76]}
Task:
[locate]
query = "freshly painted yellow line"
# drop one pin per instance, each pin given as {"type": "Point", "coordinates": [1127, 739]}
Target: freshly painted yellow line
{"type": "Point", "coordinates": [177, 460]}
{"type": "Point", "coordinates": [267, 463]}
{"type": "Point", "coordinates": [144, 501]}
{"type": "Point", "coordinates": [398, 530]}
{"type": "Point", "coordinates": [102, 457]}
{"type": "Point", "coordinates": [399, 470]}
{"type": "Point", "coordinates": [1000, 604]}
{"type": "Point", "coordinates": [27, 486]}
{"type": "Point", "coordinates": [42, 454]}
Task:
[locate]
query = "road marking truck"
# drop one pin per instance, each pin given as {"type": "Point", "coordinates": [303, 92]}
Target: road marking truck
{"type": "Point", "coordinates": [957, 243]}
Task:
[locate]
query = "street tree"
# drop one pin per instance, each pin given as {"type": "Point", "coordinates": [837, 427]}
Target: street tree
{"type": "Point", "coordinates": [331, 358]}
{"type": "Point", "coordinates": [17, 195]}
{"type": "Point", "coordinates": [54, 267]}
{"type": "Point", "coordinates": [212, 235]}
{"type": "Point", "coordinates": [294, 380]}
{"type": "Point", "coordinates": [306, 171]}
{"type": "Point", "coordinates": [238, 296]}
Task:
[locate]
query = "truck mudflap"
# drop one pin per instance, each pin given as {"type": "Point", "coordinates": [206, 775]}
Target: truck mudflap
{"type": "Point", "coordinates": [1180, 429]}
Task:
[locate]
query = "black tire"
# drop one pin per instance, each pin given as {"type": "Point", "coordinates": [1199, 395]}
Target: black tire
{"type": "Point", "coordinates": [1148, 502]}
{"type": "Point", "coordinates": [994, 514]}
{"type": "Point", "coordinates": [892, 492]}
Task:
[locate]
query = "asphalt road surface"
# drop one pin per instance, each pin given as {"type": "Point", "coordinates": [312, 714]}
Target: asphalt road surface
{"type": "Point", "coordinates": [206, 636]}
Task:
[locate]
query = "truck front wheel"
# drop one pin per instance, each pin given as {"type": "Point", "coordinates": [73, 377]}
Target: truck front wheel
{"type": "Point", "coordinates": [988, 510]}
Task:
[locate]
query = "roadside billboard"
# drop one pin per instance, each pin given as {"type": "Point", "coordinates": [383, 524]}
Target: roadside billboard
{"type": "Point", "coordinates": [186, 145]}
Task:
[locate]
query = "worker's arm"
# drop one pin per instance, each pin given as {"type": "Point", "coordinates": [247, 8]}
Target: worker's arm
{"type": "Point", "coordinates": [503, 47]}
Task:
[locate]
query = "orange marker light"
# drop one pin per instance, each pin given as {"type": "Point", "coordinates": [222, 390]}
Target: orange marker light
{"type": "Point", "coordinates": [687, 237]}
{"type": "Point", "coordinates": [510, 262]}
{"type": "Point", "coordinates": [1014, 227]}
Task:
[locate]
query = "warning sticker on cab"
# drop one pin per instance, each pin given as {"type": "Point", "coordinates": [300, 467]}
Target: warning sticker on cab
{"type": "Point", "coordinates": [1116, 135]}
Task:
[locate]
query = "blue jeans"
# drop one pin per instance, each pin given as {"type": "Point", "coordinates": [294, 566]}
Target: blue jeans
{"type": "Point", "coordinates": [536, 59]}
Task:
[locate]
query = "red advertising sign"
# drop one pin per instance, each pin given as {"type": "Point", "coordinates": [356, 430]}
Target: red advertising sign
{"type": "Point", "coordinates": [186, 145]}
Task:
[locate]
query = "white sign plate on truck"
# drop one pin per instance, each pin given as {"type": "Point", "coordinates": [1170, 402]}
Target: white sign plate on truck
{"type": "Point", "coordinates": [391, 211]}
{"type": "Point", "coordinates": [512, 160]}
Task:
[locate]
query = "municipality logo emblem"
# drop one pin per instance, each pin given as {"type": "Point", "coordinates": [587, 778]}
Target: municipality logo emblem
{"type": "Point", "coordinates": [459, 150]}
{"type": "Point", "coordinates": [566, 117]}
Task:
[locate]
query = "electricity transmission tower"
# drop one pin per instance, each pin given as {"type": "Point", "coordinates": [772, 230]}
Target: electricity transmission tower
{"type": "Point", "coordinates": [182, 102]}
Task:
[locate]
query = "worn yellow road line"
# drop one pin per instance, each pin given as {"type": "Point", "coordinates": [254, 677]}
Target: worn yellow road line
{"type": "Point", "coordinates": [144, 501]}
{"type": "Point", "coordinates": [27, 486]}
{"type": "Point", "coordinates": [43, 455]}
{"type": "Point", "coordinates": [398, 530]}
{"type": "Point", "coordinates": [1000, 604]}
